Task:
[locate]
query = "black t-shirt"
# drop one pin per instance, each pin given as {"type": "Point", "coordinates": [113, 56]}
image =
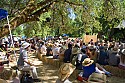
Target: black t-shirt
{"type": "Point", "coordinates": [67, 55]}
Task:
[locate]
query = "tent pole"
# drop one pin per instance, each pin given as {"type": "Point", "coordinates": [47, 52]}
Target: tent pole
{"type": "Point", "coordinates": [11, 38]}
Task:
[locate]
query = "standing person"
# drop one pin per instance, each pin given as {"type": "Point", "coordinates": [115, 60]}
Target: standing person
{"type": "Point", "coordinates": [24, 64]}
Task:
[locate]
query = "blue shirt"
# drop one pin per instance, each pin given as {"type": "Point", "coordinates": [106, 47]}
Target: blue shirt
{"type": "Point", "coordinates": [88, 70]}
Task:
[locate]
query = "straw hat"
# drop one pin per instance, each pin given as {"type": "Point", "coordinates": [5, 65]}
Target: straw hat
{"type": "Point", "coordinates": [66, 70]}
{"type": "Point", "coordinates": [87, 62]}
{"type": "Point", "coordinates": [123, 51]}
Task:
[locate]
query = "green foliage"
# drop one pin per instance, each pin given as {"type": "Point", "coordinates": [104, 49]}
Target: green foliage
{"type": "Point", "coordinates": [91, 16]}
{"type": "Point", "coordinates": [18, 31]}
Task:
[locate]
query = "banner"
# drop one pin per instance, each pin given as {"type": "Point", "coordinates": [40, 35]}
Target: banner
{"type": "Point", "coordinates": [3, 14]}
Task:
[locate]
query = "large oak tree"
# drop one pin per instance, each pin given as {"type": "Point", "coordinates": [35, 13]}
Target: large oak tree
{"type": "Point", "coordinates": [97, 14]}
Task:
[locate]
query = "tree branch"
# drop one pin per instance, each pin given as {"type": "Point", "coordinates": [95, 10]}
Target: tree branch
{"type": "Point", "coordinates": [27, 15]}
{"type": "Point", "coordinates": [73, 3]}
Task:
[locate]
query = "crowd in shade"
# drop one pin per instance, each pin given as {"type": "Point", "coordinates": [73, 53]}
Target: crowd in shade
{"type": "Point", "coordinates": [89, 57]}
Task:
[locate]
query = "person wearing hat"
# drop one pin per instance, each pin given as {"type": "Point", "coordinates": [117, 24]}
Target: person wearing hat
{"type": "Point", "coordinates": [90, 67]}
{"type": "Point", "coordinates": [65, 71]}
{"type": "Point", "coordinates": [24, 64]}
{"type": "Point", "coordinates": [122, 60]}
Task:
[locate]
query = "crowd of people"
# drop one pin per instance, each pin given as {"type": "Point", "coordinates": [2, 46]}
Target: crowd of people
{"type": "Point", "coordinates": [89, 57]}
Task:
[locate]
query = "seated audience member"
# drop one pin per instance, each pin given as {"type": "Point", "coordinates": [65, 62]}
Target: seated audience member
{"type": "Point", "coordinates": [4, 51]}
{"type": "Point", "coordinates": [74, 51]}
{"type": "Point", "coordinates": [5, 74]}
{"type": "Point", "coordinates": [49, 50]}
{"type": "Point", "coordinates": [83, 46]}
{"type": "Point", "coordinates": [90, 67]}
{"type": "Point", "coordinates": [64, 72]}
{"type": "Point", "coordinates": [102, 56]}
{"type": "Point", "coordinates": [113, 57]}
{"type": "Point", "coordinates": [24, 64]}
{"type": "Point", "coordinates": [80, 58]}
{"type": "Point", "coordinates": [67, 54]}
{"type": "Point", "coordinates": [43, 48]}
{"type": "Point", "coordinates": [122, 60]}
{"type": "Point", "coordinates": [61, 52]}
{"type": "Point", "coordinates": [55, 50]}
{"type": "Point", "coordinates": [93, 53]}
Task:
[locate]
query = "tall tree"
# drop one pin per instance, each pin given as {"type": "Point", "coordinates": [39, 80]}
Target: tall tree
{"type": "Point", "coordinates": [67, 16]}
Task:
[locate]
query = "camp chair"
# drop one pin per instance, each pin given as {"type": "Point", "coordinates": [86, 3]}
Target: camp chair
{"type": "Point", "coordinates": [97, 78]}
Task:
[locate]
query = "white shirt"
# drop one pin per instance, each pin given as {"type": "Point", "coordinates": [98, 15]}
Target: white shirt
{"type": "Point", "coordinates": [55, 51]}
{"type": "Point", "coordinates": [43, 49]}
